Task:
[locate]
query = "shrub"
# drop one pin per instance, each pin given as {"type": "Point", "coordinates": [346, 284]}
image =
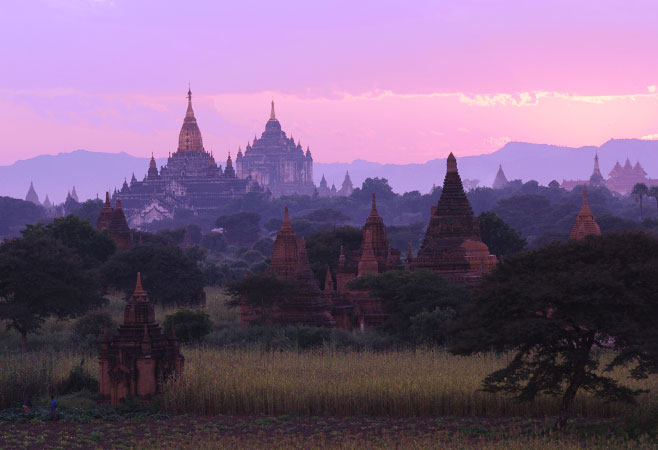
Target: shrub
{"type": "Point", "coordinates": [79, 379]}
{"type": "Point", "coordinates": [191, 325]}
{"type": "Point", "coordinates": [88, 330]}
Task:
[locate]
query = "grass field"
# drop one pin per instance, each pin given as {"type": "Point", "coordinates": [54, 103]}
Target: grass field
{"type": "Point", "coordinates": [248, 397]}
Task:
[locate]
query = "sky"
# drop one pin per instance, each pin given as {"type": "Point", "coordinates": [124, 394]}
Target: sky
{"type": "Point", "coordinates": [386, 81]}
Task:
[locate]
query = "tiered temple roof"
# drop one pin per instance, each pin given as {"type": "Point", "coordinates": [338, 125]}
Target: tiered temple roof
{"type": "Point", "coordinates": [585, 223]}
{"type": "Point", "coordinates": [114, 220]}
{"type": "Point", "coordinates": [452, 246]}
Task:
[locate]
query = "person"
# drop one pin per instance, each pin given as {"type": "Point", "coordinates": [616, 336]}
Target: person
{"type": "Point", "coordinates": [53, 408]}
{"type": "Point", "coordinates": [27, 404]}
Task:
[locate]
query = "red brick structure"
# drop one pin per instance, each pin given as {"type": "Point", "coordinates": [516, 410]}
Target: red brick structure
{"type": "Point", "coordinates": [452, 246]}
{"type": "Point", "coordinates": [114, 220]}
{"type": "Point", "coordinates": [585, 223]}
{"type": "Point", "coordinates": [139, 357]}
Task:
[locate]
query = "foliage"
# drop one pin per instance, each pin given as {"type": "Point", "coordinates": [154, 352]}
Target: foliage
{"type": "Point", "coordinates": [501, 239]}
{"type": "Point", "coordinates": [191, 325]}
{"type": "Point", "coordinates": [406, 295]}
{"type": "Point", "coordinates": [214, 242]}
{"type": "Point", "coordinates": [240, 228]}
{"type": "Point", "coordinates": [169, 277]}
{"type": "Point", "coordinates": [640, 190]}
{"type": "Point", "coordinates": [78, 234]}
{"type": "Point", "coordinates": [323, 248]}
{"type": "Point", "coordinates": [79, 379]}
{"type": "Point", "coordinates": [42, 278]}
{"type": "Point", "coordinates": [264, 246]}
{"type": "Point", "coordinates": [88, 210]}
{"type": "Point", "coordinates": [89, 329]}
{"type": "Point", "coordinates": [553, 307]}
{"type": "Point", "coordinates": [260, 291]}
{"type": "Point", "coordinates": [378, 186]}
{"type": "Point", "coordinates": [16, 213]}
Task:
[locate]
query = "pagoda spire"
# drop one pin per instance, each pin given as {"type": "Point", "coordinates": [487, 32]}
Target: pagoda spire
{"type": "Point", "coordinates": [272, 114]}
{"type": "Point", "coordinates": [139, 290]}
{"type": "Point", "coordinates": [190, 111]}
{"type": "Point", "coordinates": [286, 219]}
{"type": "Point", "coordinates": [373, 209]}
{"type": "Point", "coordinates": [585, 223]}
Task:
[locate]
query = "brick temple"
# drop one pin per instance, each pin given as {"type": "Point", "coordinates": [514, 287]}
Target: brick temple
{"type": "Point", "coordinates": [139, 356]}
{"type": "Point", "coordinates": [114, 220]}
{"type": "Point", "coordinates": [585, 222]}
{"type": "Point", "coordinates": [452, 246]}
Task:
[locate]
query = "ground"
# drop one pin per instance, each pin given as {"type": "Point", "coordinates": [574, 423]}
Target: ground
{"type": "Point", "coordinates": [313, 432]}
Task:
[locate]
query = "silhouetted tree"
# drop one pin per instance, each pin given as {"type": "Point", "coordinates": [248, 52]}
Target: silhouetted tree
{"type": "Point", "coordinates": [40, 278]}
{"type": "Point", "coordinates": [261, 292]}
{"type": "Point", "coordinates": [501, 239]}
{"type": "Point", "coordinates": [555, 306]}
{"type": "Point", "coordinates": [240, 228]}
{"type": "Point", "coordinates": [640, 190]}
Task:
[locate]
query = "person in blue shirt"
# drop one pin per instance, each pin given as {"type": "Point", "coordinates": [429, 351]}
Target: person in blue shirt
{"type": "Point", "coordinates": [53, 408]}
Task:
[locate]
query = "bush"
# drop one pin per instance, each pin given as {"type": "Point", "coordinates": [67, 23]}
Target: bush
{"type": "Point", "coordinates": [79, 379]}
{"type": "Point", "coordinates": [191, 325]}
{"type": "Point", "coordinates": [88, 330]}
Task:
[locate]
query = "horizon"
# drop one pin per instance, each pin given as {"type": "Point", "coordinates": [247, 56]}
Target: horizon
{"type": "Point", "coordinates": [374, 81]}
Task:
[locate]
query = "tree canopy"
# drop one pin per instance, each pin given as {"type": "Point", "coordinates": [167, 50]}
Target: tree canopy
{"type": "Point", "coordinates": [169, 277]}
{"type": "Point", "coordinates": [501, 239]}
{"type": "Point", "coordinates": [241, 228]}
{"type": "Point", "coordinates": [39, 278]}
{"type": "Point", "coordinates": [413, 300]}
{"type": "Point", "coordinates": [554, 306]}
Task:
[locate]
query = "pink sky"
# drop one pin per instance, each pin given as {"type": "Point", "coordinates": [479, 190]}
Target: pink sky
{"type": "Point", "coordinates": [385, 81]}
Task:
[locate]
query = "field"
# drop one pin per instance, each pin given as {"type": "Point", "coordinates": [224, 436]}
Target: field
{"type": "Point", "coordinates": [246, 396]}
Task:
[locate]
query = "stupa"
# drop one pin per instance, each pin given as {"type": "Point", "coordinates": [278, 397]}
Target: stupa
{"type": "Point", "coordinates": [585, 223]}
{"type": "Point", "coordinates": [452, 246]}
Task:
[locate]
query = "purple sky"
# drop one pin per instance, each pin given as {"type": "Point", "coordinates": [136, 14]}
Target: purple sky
{"type": "Point", "coordinates": [387, 81]}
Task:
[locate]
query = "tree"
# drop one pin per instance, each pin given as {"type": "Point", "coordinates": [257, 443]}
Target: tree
{"type": "Point", "coordinates": [79, 235]}
{"type": "Point", "coordinates": [640, 190]}
{"type": "Point", "coordinates": [323, 248]}
{"type": "Point", "coordinates": [89, 329]}
{"type": "Point", "coordinates": [378, 186]}
{"type": "Point", "coordinates": [553, 307]}
{"type": "Point", "coordinates": [240, 228]}
{"type": "Point", "coordinates": [501, 239]}
{"type": "Point", "coordinates": [190, 325]}
{"type": "Point", "coordinates": [653, 192]}
{"type": "Point", "coordinates": [406, 296]}
{"type": "Point", "coordinates": [16, 213]}
{"type": "Point", "coordinates": [260, 292]}
{"type": "Point", "coordinates": [169, 277]}
{"type": "Point", "coordinates": [89, 210]}
{"type": "Point", "coordinates": [41, 278]}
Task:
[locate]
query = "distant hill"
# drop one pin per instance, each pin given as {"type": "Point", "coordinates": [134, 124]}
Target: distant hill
{"type": "Point", "coordinates": [93, 173]}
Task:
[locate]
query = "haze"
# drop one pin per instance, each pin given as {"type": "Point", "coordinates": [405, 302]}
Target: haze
{"type": "Point", "coordinates": [393, 82]}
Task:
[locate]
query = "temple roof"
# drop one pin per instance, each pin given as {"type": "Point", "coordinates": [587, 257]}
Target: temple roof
{"type": "Point", "coordinates": [32, 195]}
{"type": "Point", "coordinates": [585, 223]}
{"type": "Point", "coordinates": [189, 139]}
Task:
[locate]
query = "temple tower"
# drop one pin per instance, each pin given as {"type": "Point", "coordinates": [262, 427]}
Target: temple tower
{"type": "Point", "coordinates": [189, 138]}
{"type": "Point", "coordinates": [32, 195]}
{"type": "Point", "coordinates": [501, 180]}
{"type": "Point", "coordinates": [452, 246]}
{"type": "Point", "coordinates": [285, 251]}
{"type": "Point", "coordinates": [596, 179]}
{"type": "Point", "coordinates": [585, 223]}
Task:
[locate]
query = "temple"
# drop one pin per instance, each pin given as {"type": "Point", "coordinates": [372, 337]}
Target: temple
{"type": "Point", "coordinates": [501, 180]}
{"type": "Point", "coordinates": [337, 306]}
{"type": "Point", "coordinates": [32, 195]}
{"type": "Point", "coordinates": [276, 162]}
{"type": "Point", "coordinates": [139, 357]}
{"type": "Point", "coordinates": [452, 246]}
{"type": "Point", "coordinates": [190, 180]}
{"type": "Point", "coordinates": [585, 223]}
{"type": "Point", "coordinates": [621, 179]}
{"type": "Point", "coordinates": [114, 220]}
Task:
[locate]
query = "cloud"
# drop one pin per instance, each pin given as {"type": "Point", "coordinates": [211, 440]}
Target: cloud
{"type": "Point", "coordinates": [650, 137]}
{"type": "Point", "coordinates": [652, 88]}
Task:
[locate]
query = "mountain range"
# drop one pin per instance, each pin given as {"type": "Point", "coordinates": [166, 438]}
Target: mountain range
{"type": "Point", "coordinates": [93, 173]}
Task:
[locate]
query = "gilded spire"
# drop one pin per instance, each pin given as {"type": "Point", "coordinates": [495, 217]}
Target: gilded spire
{"type": "Point", "coordinates": [190, 111]}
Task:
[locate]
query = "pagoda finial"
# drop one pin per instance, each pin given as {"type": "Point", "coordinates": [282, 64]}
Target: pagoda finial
{"type": "Point", "coordinates": [107, 199]}
{"type": "Point", "coordinates": [272, 115]}
{"type": "Point", "coordinates": [585, 196]}
{"type": "Point", "coordinates": [190, 111]}
{"type": "Point", "coordinates": [139, 290]}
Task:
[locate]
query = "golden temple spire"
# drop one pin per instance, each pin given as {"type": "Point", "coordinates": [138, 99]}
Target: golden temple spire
{"type": "Point", "coordinates": [190, 111]}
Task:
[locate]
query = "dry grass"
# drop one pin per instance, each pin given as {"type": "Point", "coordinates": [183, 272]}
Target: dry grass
{"type": "Point", "coordinates": [422, 383]}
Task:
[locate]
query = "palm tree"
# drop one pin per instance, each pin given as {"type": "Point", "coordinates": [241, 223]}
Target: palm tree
{"type": "Point", "coordinates": [639, 191]}
{"type": "Point", "coordinates": [653, 192]}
